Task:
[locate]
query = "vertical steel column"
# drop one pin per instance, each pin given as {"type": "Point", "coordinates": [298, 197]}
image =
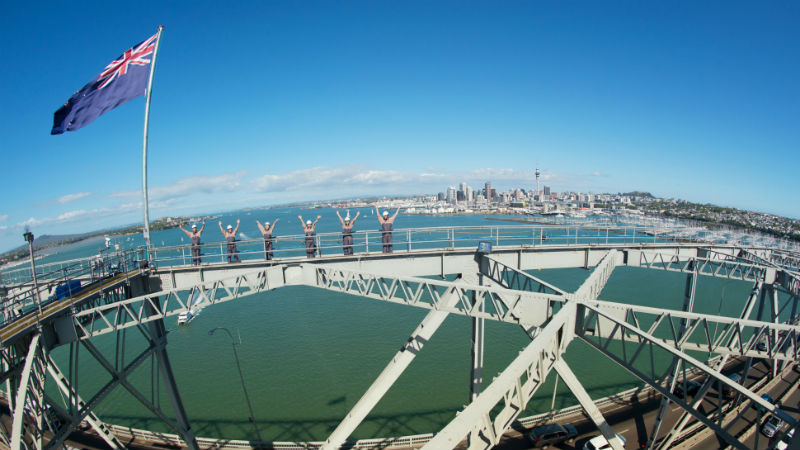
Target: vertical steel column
{"type": "Point", "coordinates": [476, 368]}
{"type": "Point", "coordinates": [678, 428]}
{"type": "Point", "coordinates": [159, 335]}
{"type": "Point", "coordinates": [749, 363]}
{"type": "Point", "coordinates": [688, 305]}
{"type": "Point", "coordinates": [773, 340]}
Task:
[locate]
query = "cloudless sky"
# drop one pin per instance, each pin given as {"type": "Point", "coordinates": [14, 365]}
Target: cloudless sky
{"type": "Point", "coordinates": [259, 103]}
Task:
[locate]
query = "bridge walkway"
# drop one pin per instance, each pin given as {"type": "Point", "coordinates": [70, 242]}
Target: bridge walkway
{"type": "Point", "coordinates": [22, 324]}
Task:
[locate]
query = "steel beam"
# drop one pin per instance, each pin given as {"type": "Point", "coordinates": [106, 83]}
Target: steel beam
{"type": "Point", "coordinates": [476, 367]}
{"type": "Point", "coordinates": [586, 403]}
{"type": "Point", "coordinates": [675, 432]}
{"type": "Point", "coordinates": [390, 373]}
{"type": "Point", "coordinates": [622, 328]}
{"type": "Point", "coordinates": [84, 408]}
{"type": "Point", "coordinates": [27, 386]}
{"type": "Point", "coordinates": [97, 425]}
{"type": "Point", "coordinates": [131, 312]}
{"type": "Point", "coordinates": [591, 287]}
{"type": "Point", "coordinates": [512, 389]}
{"type": "Point", "coordinates": [688, 305]}
{"type": "Point", "coordinates": [159, 336]}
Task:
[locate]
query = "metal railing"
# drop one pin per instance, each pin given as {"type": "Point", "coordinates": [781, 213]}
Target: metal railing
{"type": "Point", "coordinates": [21, 300]}
{"type": "Point", "coordinates": [408, 240]}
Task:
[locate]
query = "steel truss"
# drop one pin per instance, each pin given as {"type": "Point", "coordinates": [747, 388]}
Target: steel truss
{"type": "Point", "coordinates": [58, 418]}
{"type": "Point", "coordinates": [145, 308]}
{"type": "Point", "coordinates": [596, 322]}
{"type": "Point", "coordinates": [628, 334]}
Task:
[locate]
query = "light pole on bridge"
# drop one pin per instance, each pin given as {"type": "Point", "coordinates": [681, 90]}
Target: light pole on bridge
{"type": "Point", "coordinates": [241, 377]}
{"type": "Point", "coordinates": [29, 239]}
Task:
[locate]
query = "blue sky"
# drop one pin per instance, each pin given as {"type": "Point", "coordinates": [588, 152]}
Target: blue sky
{"type": "Point", "coordinates": [259, 103]}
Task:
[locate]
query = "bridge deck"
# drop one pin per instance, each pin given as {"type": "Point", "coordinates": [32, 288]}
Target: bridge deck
{"type": "Point", "coordinates": [22, 324]}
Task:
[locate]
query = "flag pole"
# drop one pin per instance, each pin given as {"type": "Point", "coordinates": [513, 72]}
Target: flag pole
{"type": "Point", "coordinates": [144, 144]}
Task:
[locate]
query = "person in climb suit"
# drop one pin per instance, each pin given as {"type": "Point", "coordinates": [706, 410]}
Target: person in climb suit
{"type": "Point", "coordinates": [347, 232]}
{"type": "Point", "coordinates": [266, 231]}
{"type": "Point", "coordinates": [230, 236]}
{"type": "Point", "coordinates": [308, 227]}
{"type": "Point", "coordinates": [194, 235]}
{"type": "Point", "coordinates": [386, 228]}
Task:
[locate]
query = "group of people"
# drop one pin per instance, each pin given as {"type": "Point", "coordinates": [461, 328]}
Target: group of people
{"type": "Point", "coordinates": [309, 228]}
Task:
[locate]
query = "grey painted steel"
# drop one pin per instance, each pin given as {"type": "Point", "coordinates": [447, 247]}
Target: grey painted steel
{"type": "Point", "coordinates": [512, 389]}
{"type": "Point", "coordinates": [119, 378]}
{"type": "Point", "coordinates": [97, 425]}
{"type": "Point", "coordinates": [688, 305]}
{"type": "Point", "coordinates": [587, 403]}
{"type": "Point", "coordinates": [23, 391]}
{"type": "Point", "coordinates": [591, 287]}
{"type": "Point", "coordinates": [622, 328]}
{"type": "Point", "coordinates": [476, 367]}
{"type": "Point", "coordinates": [159, 336]}
{"type": "Point", "coordinates": [698, 399]}
{"type": "Point", "coordinates": [504, 293]}
{"type": "Point", "coordinates": [390, 374]}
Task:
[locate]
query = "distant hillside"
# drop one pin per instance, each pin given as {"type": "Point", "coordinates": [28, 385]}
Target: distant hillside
{"type": "Point", "coordinates": [638, 194]}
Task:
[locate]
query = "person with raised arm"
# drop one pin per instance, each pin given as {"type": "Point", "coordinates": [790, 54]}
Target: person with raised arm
{"type": "Point", "coordinates": [266, 231]}
{"type": "Point", "coordinates": [308, 228]}
{"type": "Point", "coordinates": [230, 236]}
{"type": "Point", "coordinates": [386, 228]}
{"type": "Point", "coordinates": [347, 231]}
{"type": "Point", "coordinates": [194, 235]}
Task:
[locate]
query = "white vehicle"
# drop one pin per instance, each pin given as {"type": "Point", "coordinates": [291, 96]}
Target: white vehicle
{"type": "Point", "coordinates": [600, 443]}
{"type": "Point", "coordinates": [783, 444]}
{"type": "Point", "coordinates": [772, 426]}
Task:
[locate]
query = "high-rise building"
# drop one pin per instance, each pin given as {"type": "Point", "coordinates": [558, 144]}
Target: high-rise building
{"type": "Point", "coordinates": [451, 194]}
{"type": "Point", "coordinates": [547, 191]}
{"type": "Point", "coordinates": [470, 193]}
{"type": "Point", "coordinates": [488, 192]}
{"type": "Point", "coordinates": [441, 196]}
{"type": "Point", "coordinates": [463, 187]}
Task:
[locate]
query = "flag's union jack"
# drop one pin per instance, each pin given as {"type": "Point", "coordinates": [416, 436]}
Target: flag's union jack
{"type": "Point", "coordinates": [122, 80]}
{"type": "Point", "coordinates": [135, 55]}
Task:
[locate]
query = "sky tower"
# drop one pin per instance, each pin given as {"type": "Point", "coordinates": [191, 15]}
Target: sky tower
{"type": "Point", "coordinates": [537, 181]}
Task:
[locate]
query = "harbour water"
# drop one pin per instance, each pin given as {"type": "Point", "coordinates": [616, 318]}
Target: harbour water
{"type": "Point", "coordinates": [307, 355]}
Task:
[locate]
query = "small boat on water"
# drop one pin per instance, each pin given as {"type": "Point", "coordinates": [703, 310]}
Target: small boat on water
{"type": "Point", "coordinates": [193, 309]}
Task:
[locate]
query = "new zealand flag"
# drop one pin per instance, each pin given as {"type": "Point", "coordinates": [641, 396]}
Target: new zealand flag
{"type": "Point", "coordinates": [122, 80]}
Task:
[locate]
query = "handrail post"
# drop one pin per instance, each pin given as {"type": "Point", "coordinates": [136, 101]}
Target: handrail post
{"type": "Point", "coordinates": [497, 236]}
{"type": "Point", "coordinates": [366, 242]}
{"type": "Point", "coordinates": [319, 247]}
{"type": "Point", "coordinates": [221, 254]}
{"type": "Point", "coordinates": [408, 240]}
{"type": "Point", "coordinates": [452, 237]}
{"type": "Point", "coordinates": [183, 253]}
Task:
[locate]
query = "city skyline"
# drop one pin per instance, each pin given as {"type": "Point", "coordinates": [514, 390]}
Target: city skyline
{"type": "Point", "coordinates": [264, 104]}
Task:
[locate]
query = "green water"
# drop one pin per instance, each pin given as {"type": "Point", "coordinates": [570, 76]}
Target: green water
{"type": "Point", "coordinates": [307, 355]}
